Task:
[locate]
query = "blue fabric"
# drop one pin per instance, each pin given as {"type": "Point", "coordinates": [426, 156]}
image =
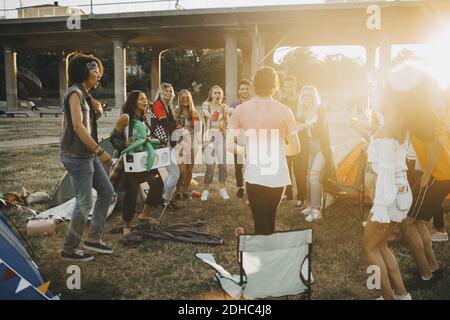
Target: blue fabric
{"type": "Point", "coordinates": [16, 256]}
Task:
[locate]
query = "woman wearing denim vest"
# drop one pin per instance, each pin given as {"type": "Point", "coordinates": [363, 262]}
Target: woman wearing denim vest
{"type": "Point", "coordinates": [81, 156]}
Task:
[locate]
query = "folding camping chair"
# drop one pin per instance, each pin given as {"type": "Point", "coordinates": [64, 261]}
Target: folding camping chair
{"type": "Point", "coordinates": [350, 182]}
{"type": "Point", "coordinates": [273, 265]}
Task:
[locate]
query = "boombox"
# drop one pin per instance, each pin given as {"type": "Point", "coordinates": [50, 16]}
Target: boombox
{"type": "Point", "coordinates": [135, 162]}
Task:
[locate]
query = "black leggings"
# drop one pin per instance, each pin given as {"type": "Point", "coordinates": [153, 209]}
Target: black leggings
{"type": "Point", "coordinates": [264, 202]}
{"type": "Point", "coordinates": [298, 168]}
{"type": "Point", "coordinates": [238, 172]}
{"type": "Point", "coordinates": [132, 183]}
{"type": "Point", "coordinates": [427, 202]}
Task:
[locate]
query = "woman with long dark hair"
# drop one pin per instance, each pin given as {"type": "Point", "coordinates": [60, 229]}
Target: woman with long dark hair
{"type": "Point", "coordinates": [133, 115]}
{"type": "Point", "coordinates": [392, 200]}
{"type": "Point", "coordinates": [421, 102]}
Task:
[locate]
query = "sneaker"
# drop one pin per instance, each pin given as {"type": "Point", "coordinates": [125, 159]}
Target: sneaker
{"type": "Point", "coordinates": [306, 211]}
{"type": "Point", "coordinates": [145, 213]}
{"type": "Point", "coordinates": [171, 205]}
{"type": "Point", "coordinates": [100, 247]}
{"type": "Point", "coordinates": [205, 195]}
{"type": "Point", "coordinates": [224, 194]}
{"type": "Point", "coordinates": [405, 297]}
{"type": "Point", "coordinates": [240, 193]}
{"type": "Point", "coordinates": [314, 215]}
{"type": "Point", "coordinates": [76, 256]}
{"type": "Point", "coordinates": [299, 204]}
{"type": "Point", "coordinates": [126, 231]}
{"type": "Point", "coordinates": [317, 214]}
{"type": "Point", "coordinates": [439, 236]}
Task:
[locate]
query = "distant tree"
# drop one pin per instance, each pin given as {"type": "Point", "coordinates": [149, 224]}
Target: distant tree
{"type": "Point", "coordinates": [301, 63]}
{"type": "Point", "coordinates": [211, 71]}
{"type": "Point", "coordinates": [195, 69]}
{"type": "Point", "coordinates": [403, 55]}
{"type": "Point", "coordinates": [180, 67]}
{"type": "Point", "coordinates": [336, 76]}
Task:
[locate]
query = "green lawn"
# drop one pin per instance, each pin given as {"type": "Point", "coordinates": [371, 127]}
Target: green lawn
{"type": "Point", "coordinates": [169, 270]}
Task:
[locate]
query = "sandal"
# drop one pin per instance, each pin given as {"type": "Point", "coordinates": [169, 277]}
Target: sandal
{"type": "Point", "coordinates": [145, 214]}
{"type": "Point", "coordinates": [126, 231]}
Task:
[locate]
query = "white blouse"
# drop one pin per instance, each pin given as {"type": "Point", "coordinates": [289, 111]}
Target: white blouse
{"type": "Point", "coordinates": [388, 160]}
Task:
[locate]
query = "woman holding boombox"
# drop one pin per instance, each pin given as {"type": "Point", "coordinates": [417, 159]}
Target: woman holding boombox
{"type": "Point", "coordinates": [131, 120]}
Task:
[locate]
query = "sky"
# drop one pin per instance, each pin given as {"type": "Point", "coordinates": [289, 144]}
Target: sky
{"type": "Point", "coordinates": [157, 4]}
{"type": "Point", "coordinates": [105, 6]}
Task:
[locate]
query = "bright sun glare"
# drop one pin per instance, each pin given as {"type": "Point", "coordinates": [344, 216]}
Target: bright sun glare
{"type": "Point", "coordinates": [438, 57]}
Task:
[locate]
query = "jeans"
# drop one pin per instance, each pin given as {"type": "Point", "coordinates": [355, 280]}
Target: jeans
{"type": "Point", "coordinates": [317, 163]}
{"type": "Point", "coordinates": [298, 167]}
{"type": "Point", "coordinates": [264, 202]}
{"type": "Point", "coordinates": [85, 174]}
{"type": "Point", "coordinates": [215, 152]}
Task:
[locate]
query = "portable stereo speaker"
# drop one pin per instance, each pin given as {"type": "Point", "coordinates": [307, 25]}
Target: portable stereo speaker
{"type": "Point", "coordinates": [136, 162]}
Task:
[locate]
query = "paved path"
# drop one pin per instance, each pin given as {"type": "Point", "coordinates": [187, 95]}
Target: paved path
{"type": "Point", "coordinates": [30, 142]}
{"type": "Point", "coordinates": [341, 134]}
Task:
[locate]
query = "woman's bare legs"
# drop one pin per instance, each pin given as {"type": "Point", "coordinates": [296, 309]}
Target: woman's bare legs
{"type": "Point", "coordinates": [393, 270]}
{"type": "Point", "coordinates": [372, 242]}
{"type": "Point", "coordinates": [427, 245]}
{"type": "Point", "coordinates": [416, 245]}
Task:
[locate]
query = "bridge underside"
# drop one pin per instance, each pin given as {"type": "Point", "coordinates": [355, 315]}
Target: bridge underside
{"type": "Point", "coordinates": [256, 31]}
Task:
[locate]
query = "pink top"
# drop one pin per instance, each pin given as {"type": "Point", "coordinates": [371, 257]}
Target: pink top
{"type": "Point", "coordinates": [263, 113]}
{"type": "Point", "coordinates": [266, 159]}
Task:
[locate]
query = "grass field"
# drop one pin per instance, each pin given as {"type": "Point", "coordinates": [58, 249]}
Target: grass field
{"type": "Point", "coordinates": [169, 270]}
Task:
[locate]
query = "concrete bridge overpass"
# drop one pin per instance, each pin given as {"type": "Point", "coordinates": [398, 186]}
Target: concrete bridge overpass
{"type": "Point", "coordinates": [256, 31]}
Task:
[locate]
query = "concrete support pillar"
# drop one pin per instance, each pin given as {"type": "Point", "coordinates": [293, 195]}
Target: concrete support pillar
{"type": "Point", "coordinates": [269, 51]}
{"type": "Point", "coordinates": [258, 50]}
{"type": "Point", "coordinates": [371, 52]}
{"type": "Point", "coordinates": [247, 64]}
{"type": "Point", "coordinates": [156, 71]}
{"type": "Point", "coordinates": [11, 78]}
{"type": "Point", "coordinates": [63, 77]}
{"type": "Point", "coordinates": [230, 68]}
{"type": "Point", "coordinates": [120, 73]}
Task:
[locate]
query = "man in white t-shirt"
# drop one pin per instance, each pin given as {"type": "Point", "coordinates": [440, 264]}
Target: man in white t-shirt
{"type": "Point", "coordinates": [270, 134]}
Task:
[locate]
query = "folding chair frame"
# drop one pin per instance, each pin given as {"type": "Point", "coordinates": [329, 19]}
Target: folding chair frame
{"type": "Point", "coordinates": [346, 201]}
{"type": "Point", "coordinates": [359, 191]}
{"type": "Point", "coordinates": [306, 282]}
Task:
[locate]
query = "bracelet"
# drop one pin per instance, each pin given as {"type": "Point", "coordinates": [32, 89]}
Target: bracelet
{"type": "Point", "coordinates": [99, 153]}
{"type": "Point", "coordinates": [95, 148]}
